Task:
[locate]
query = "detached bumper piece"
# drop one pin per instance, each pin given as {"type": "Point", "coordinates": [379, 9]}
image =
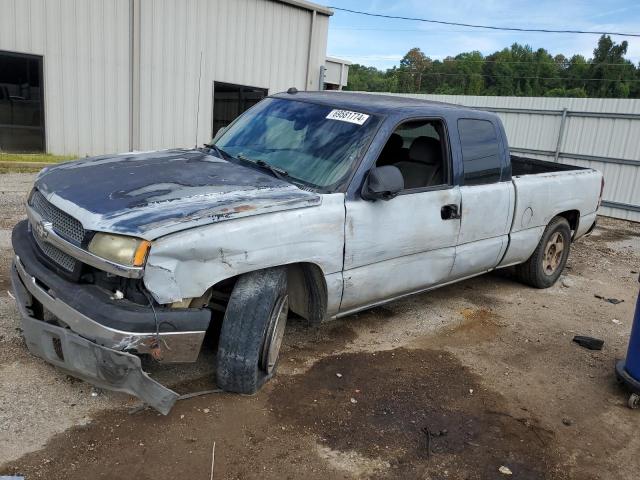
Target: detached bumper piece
{"type": "Point", "coordinates": [82, 358]}
{"type": "Point", "coordinates": [95, 364]}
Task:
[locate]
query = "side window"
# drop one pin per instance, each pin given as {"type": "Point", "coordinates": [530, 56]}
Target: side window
{"type": "Point", "coordinates": [480, 152]}
{"type": "Point", "coordinates": [418, 149]}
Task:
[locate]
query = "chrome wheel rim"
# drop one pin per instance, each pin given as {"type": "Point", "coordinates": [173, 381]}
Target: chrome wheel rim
{"type": "Point", "coordinates": [553, 252]}
{"type": "Point", "coordinates": [275, 334]}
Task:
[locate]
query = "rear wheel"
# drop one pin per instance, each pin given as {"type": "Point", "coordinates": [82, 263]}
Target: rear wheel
{"type": "Point", "coordinates": [252, 331]}
{"type": "Point", "coordinates": [546, 264]}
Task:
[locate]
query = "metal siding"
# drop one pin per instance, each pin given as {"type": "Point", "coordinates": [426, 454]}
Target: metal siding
{"type": "Point", "coordinates": [257, 43]}
{"type": "Point", "coordinates": [84, 44]}
{"type": "Point", "coordinates": [615, 138]}
{"type": "Point", "coordinates": [333, 72]}
{"type": "Point", "coordinates": [319, 51]}
{"type": "Point", "coordinates": [86, 50]}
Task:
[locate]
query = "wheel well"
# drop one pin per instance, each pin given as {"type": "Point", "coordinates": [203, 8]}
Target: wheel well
{"type": "Point", "coordinates": [307, 291]}
{"type": "Point", "coordinates": [573, 217]}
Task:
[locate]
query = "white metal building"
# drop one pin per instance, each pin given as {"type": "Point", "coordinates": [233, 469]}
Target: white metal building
{"type": "Point", "coordinates": [87, 77]}
{"type": "Point", "coordinates": [336, 73]}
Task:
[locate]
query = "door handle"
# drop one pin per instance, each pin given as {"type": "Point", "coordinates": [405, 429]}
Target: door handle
{"type": "Point", "coordinates": [450, 212]}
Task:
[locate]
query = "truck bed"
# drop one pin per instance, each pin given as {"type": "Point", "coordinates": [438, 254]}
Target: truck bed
{"type": "Point", "coordinates": [532, 166]}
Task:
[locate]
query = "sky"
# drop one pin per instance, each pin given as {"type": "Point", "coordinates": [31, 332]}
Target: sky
{"type": "Point", "coordinates": [382, 42]}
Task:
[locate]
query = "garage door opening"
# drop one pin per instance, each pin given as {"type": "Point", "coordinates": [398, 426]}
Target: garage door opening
{"type": "Point", "coordinates": [230, 100]}
{"type": "Point", "coordinates": [21, 103]}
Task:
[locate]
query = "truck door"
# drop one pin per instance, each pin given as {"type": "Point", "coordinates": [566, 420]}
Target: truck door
{"type": "Point", "coordinates": [405, 244]}
{"type": "Point", "coordinates": [488, 198]}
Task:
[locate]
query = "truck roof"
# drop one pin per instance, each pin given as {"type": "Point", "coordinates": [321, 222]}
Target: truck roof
{"type": "Point", "coordinates": [373, 103]}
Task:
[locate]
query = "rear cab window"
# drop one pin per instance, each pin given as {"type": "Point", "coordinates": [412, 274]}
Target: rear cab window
{"type": "Point", "coordinates": [480, 151]}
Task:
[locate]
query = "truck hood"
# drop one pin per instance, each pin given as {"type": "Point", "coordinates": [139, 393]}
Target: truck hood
{"type": "Point", "coordinates": [152, 194]}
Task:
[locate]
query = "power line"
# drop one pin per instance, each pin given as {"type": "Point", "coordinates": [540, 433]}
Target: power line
{"type": "Point", "coordinates": [488, 27]}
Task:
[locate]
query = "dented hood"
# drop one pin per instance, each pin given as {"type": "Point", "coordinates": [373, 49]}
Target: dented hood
{"type": "Point", "coordinates": [155, 193]}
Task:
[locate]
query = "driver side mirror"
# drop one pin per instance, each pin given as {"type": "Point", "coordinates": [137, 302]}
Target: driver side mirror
{"type": "Point", "coordinates": [383, 183]}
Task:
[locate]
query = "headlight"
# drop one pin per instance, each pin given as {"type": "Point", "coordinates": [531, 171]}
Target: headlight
{"type": "Point", "coordinates": [120, 249]}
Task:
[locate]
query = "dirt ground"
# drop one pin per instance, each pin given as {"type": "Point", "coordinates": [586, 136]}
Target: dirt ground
{"type": "Point", "coordinates": [454, 383]}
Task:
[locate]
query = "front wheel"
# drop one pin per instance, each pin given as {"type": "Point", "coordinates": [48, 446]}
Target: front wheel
{"type": "Point", "coordinates": [548, 260]}
{"type": "Point", "coordinates": [252, 331]}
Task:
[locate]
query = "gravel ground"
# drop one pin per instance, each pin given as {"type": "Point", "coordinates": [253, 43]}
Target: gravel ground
{"type": "Point", "coordinates": [486, 367]}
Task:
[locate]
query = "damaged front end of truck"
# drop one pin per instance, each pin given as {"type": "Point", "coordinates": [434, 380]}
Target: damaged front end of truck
{"type": "Point", "coordinates": [86, 330]}
{"type": "Point", "coordinates": [78, 275]}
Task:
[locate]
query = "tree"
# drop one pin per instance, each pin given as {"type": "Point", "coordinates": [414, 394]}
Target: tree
{"type": "Point", "coordinates": [563, 92]}
{"type": "Point", "coordinates": [367, 79]}
{"type": "Point", "coordinates": [517, 70]}
{"type": "Point", "coordinates": [611, 72]}
{"type": "Point", "coordinates": [412, 68]}
{"type": "Point", "coordinates": [576, 72]}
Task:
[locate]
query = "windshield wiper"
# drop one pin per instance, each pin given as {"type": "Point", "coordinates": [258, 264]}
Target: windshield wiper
{"type": "Point", "coordinates": [221, 153]}
{"type": "Point", "coordinates": [275, 171]}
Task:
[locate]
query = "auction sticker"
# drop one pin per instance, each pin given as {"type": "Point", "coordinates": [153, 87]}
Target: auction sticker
{"type": "Point", "coordinates": [348, 116]}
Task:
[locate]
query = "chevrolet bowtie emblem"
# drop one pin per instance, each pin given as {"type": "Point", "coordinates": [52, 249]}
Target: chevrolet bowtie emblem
{"type": "Point", "coordinates": [41, 229]}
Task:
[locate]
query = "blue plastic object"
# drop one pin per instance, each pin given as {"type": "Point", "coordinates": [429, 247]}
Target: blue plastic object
{"type": "Point", "coordinates": [628, 370]}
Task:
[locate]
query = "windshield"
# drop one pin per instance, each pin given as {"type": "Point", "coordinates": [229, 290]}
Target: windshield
{"type": "Point", "coordinates": [313, 143]}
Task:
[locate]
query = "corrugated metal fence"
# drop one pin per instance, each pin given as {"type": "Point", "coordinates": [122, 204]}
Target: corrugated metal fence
{"type": "Point", "coordinates": [591, 132]}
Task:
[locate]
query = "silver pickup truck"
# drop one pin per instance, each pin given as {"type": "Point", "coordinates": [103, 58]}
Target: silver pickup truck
{"type": "Point", "coordinates": [321, 204]}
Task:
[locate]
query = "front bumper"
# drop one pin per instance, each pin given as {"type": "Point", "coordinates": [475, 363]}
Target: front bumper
{"type": "Point", "coordinates": [82, 358]}
{"type": "Point", "coordinates": [95, 337]}
{"type": "Point", "coordinates": [170, 335]}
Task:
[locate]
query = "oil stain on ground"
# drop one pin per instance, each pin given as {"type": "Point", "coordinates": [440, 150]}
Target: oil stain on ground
{"type": "Point", "coordinates": [419, 410]}
{"type": "Point", "coordinates": [416, 411]}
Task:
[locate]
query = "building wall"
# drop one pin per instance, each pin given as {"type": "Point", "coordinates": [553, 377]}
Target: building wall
{"type": "Point", "coordinates": [85, 45]}
{"type": "Point", "coordinates": [90, 57]}
{"type": "Point", "coordinates": [599, 133]}
{"type": "Point", "coordinates": [337, 72]}
{"type": "Point", "coordinates": [255, 43]}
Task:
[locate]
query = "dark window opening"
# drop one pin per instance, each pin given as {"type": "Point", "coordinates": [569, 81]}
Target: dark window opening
{"type": "Point", "coordinates": [480, 152]}
{"type": "Point", "coordinates": [418, 149]}
{"type": "Point", "coordinates": [21, 103]}
{"type": "Point", "coordinates": [229, 101]}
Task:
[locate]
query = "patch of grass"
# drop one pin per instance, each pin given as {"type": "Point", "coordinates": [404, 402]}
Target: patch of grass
{"type": "Point", "coordinates": [34, 157]}
{"type": "Point", "coordinates": [18, 169]}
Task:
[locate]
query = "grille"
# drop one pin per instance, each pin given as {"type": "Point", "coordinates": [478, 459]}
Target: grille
{"type": "Point", "coordinates": [63, 223]}
{"type": "Point", "coordinates": [58, 256]}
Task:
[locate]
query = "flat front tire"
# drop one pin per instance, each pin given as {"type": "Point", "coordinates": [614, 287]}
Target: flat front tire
{"type": "Point", "coordinates": [547, 262]}
{"type": "Point", "coordinates": [252, 331]}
